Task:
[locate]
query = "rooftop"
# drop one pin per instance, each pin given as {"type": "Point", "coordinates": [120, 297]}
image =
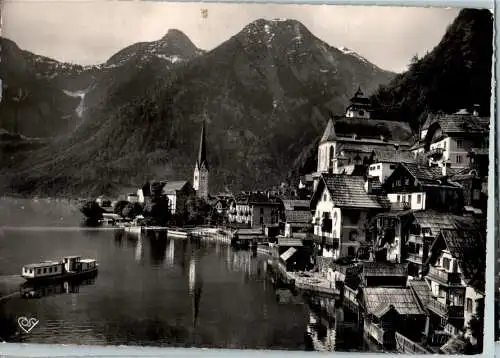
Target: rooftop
{"type": "Point", "coordinates": [378, 300]}
{"type": "Point", "coordinates": [349, 191]}
{"type": "Point", "coordinates": [458, 123]}
{"type": "Point", "coordinates": [384, 269]}
{"type": "Point", "coordinates": [302, 216]}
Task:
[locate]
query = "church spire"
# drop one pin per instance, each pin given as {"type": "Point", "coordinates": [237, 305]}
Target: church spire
{"type": "Point", "coordinates": [202, 153]}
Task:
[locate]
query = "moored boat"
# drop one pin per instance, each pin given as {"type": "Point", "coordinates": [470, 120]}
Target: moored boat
{"type": "Point", "coordinates": [68, 267]}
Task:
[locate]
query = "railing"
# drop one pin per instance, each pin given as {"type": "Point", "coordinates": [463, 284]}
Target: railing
{"type": "Point", "coordinates": [405, 345]}
{"type": "Point", "coordinates": [447, 311]}
{"type": "Point", "coordinates": [399, 206]}
{"type": "Point", "coordinates": [435, 153]}
{"type": "Point", "coordinates": [447, 278]}
{"type": "Point", "coordinates": [378, 333]}
{"type": "Point", "coordinates": [416, 258]}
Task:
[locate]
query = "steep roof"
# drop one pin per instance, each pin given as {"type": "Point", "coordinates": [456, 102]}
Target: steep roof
{"type": "Point", "coordinates": [458, 123]}
{"type": "Point", "coordinates": [373, 129]}
{"type": "Point", "coordinates": [329, 133]}
{"type": "Point", "coordinates": [393, 156]}
{"type": "Point", "coordinates": [423, 173]}
{"type": "Point", "coordinates": [293, 216]}
{"type": "Point", "coordinates": [384, 269]}
{"type": "Point", "coordinates": [422, 291]}
{"type": "Point", "coordinates": [435, 221]}
{"type": "Point", "coordinates": [468, 246]}
{"type": "Point", "coordinates": [379, 299]}
{"type": "Point", "coordinates": [349, 191]}
{"type": "Point", "coordinates": [172, 187]}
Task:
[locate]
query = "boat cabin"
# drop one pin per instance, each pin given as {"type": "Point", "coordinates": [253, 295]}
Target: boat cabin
{"type": "Point", "coordinates": [71, 263]}
{"type": "Point", "coordinates": [42, 269]}
{"type": "Point", "coordinates": [87, 264]}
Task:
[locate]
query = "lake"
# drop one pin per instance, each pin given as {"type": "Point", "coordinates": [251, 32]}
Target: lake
{"type": "Point", "coordinates": [149, 290]}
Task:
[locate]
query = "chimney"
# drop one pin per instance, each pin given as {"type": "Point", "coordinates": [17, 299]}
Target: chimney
{"type": "Point", "coordinates": [475, 110]}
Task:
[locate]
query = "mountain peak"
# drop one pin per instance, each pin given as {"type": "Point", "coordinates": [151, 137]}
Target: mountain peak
{"type": "Point", "coordinates": [175, 34]}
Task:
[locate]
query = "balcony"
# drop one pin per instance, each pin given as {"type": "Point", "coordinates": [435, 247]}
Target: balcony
{"type": "Point", "coordinates": [435, 153]}
{"type": "Point", "coordinates": [444, 277]}
{"type": "Point", "coordinates": [415, 258]}
{"type": "Point", "coordinates": [400, 206]}
{"type": "Point", "coordinates": [446, 311]}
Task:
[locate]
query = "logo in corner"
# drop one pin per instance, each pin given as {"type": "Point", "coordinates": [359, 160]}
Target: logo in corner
{"type": "Point", "coordinates": [27, 324]}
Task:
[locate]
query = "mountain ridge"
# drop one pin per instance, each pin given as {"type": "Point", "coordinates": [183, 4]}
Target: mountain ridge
{"type": "Point", "coordinates": [264, 91]}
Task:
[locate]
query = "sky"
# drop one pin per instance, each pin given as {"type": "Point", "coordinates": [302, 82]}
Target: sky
{"type": "Point", "coordinates": [89, 32]}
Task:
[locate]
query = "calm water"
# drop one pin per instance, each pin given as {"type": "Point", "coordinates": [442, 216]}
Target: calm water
{"type": "Point", "coordinates": [167, 292]}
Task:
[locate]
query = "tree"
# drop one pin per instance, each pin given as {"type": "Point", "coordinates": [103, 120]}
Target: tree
{"type": "Point", "coordinates": [119, 206]}
{"type": "Point", "coordinates": [131, 210]}
{"type": "Point", "coordinates": [92, 211]}
{"type": "Point", "coordinates": [197, 210]}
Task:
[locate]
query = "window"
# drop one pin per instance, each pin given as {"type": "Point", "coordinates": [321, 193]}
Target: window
{"type": "Point", "coordinates": [459, 158]}
{"type": "Point", "coordinates": [406, 181]}
{"type": "Point", "coordinates": [378, 166]}
{"type": "Point", "coordinates": [353, 235]}
{"type": "Point", "coordinates": [444, 144]}
{"type": "Point", "coordinates": [324, 197]}
{"type": "Point", "coordinates": [392, 166]}
{"type": "Point", "coordinates": [262, 220]}
{"type": "Point", "coordinates": [361, 112]}
{"type": "Point", "coordinates": [476, 194]}
{"type": "Point", "coordinates": [419, 198]}
{"type": "Point", "coordinates": [44, 270]}
{"type": "Point", "coordinates": [261, 211]}
{"type": "Point", "coordinates": [468, 305]}
{"type": "Point", "coordinates": [350, 251]}
{"type": "Point", "coordinates": [409, 198]}
{"type": "Point", "coordinates": [331, 153]}
{"type": "Point", "coordinates": [399, 198]}
{"type": "Point", "coordinates": [459, 143]}
{"type": "Point", "coordinates": [446, 263]}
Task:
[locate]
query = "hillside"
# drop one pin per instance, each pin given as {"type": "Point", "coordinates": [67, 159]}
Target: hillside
{"type": "Point", "coordinates": [455, 74]}
{"type": "Point", "coordinates": [264, 92]}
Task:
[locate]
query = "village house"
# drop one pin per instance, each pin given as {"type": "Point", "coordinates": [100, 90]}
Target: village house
{"type": "Point", "coordinates": [384, 162]}
{"type": "Point", "coordinates": [406, 235]}
{"type": "Point", "coordinates": [342, 208]}
{"type": "Point", "coordinates": [419, 187]}
{"type": "Point", "coordinates": [350, 140]}
{"type": "Point", "coordinates": [456, 277]}
{"type": "Point", "coordinates": [449, 139]}
{"type": "Point", "coordinates": [255, 210]}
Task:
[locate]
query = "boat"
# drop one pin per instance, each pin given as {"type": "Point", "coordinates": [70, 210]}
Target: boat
{"type": "Point", "coordinates": [68, 267]}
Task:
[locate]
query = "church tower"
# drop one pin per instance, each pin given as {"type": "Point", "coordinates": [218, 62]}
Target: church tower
{"type": "Point", "coordinates": [200, 182]}
{"type": "Point", "coordinates": [359, 106]}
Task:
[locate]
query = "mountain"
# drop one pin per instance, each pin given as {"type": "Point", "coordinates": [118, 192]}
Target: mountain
{"type": "Point", "coordinates": [55, 95]}
{"type": "Point", "coordinates": [264, 92]}
{"type": "Point", "coordinates": [455, 74]}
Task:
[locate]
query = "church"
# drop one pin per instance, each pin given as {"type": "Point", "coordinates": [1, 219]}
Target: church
{"type": "Point", "coordinates": [352, 141]}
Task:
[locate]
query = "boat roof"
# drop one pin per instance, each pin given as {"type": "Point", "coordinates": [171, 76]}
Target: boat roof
{"type": "Point", "coordinates": [87, 260]}
{"type": "Point", "coordinates": [72, 257]}
{"type": "Point", "coordinates": [42, 264]}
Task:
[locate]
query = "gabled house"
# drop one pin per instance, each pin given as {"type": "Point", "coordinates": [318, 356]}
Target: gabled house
{"type": "Point", "coordinates": [297, 223]}
{"type": "Point", "coordinates": [387, 310]}
{"type": "Point", "coordinates": [449, 138]}
{"type": "Point", "coordinates": [419, 187]}
{"type": "Point", "coordinates": [178, 192]}
{"type": "Point", "coordinates": [384, 162]}
{"type": "Point", "coordinates": [342, 207]}
{"type": "Point", "coordinates": [456, 275]}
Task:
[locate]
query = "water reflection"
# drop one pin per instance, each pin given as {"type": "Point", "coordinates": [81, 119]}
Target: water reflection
{"type": "Point", "coordinates": [30, 290]}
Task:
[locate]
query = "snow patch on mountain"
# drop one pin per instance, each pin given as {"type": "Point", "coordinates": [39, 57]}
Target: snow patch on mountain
{"type": "Point", "coordinates": [350, 52]}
